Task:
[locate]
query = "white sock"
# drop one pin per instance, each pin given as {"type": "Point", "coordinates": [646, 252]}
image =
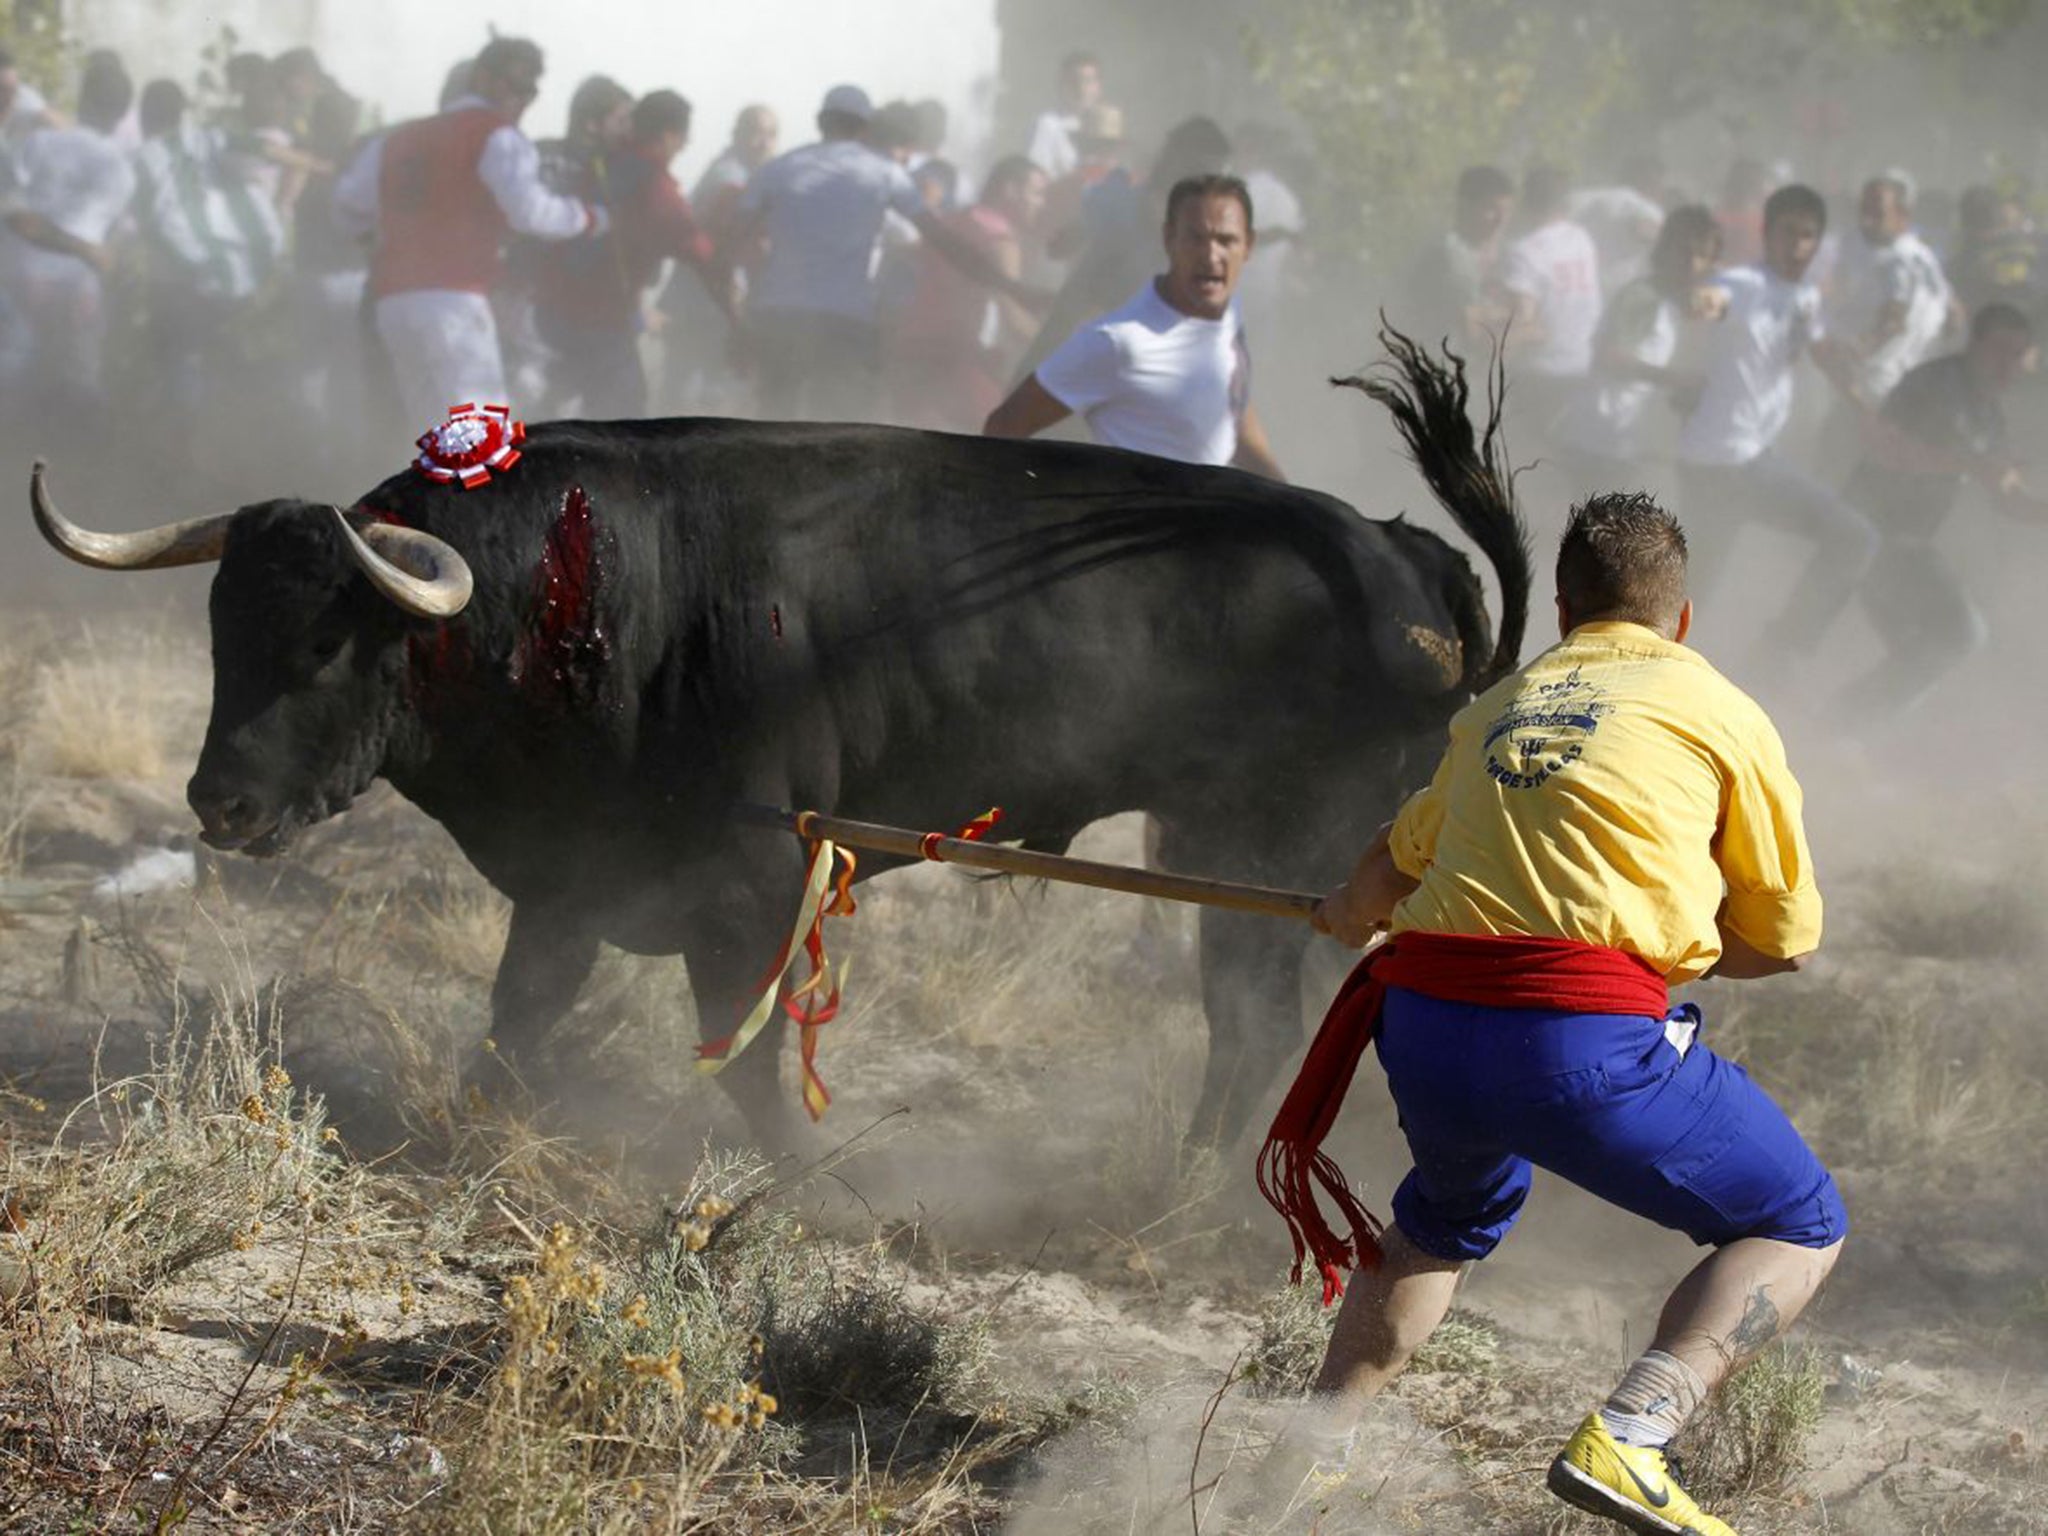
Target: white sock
{"type": "Point", "coordinates": [1653, 1401]}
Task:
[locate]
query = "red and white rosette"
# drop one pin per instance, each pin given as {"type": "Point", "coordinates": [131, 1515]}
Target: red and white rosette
{"type": "Point", "coordinates": [472, 444]}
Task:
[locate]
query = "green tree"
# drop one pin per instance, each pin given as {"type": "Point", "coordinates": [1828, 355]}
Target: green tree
{"type": "Point", "coordinates": [1399, 95]}
{"type": "Point", "coordinates": [33, 31]}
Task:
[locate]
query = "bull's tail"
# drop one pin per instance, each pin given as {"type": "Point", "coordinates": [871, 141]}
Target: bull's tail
{"type": "Point", "coordinates": [1467, 471]}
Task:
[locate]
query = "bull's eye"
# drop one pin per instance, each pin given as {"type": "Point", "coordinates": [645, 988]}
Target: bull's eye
{"type": "Point", "coordinates": [323, 648]}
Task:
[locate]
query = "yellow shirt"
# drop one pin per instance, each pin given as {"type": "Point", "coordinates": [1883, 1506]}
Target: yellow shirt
{"type": "Point", "coordinates": [1607, 793]}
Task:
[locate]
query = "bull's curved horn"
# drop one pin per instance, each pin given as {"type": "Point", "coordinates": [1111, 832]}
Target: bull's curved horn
{"type": "Point", "coordinates": [193, 542]}
{"type": "Point", "coordinates": [422, 574]}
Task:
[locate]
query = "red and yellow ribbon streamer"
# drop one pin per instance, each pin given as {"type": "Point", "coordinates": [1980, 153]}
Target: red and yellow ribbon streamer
{"type": "Point", "coordinates": [815, 1002]}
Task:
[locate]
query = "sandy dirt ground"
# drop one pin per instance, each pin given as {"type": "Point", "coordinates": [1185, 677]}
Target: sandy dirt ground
{"type": "Point", "coordinates": [1013, 1067]}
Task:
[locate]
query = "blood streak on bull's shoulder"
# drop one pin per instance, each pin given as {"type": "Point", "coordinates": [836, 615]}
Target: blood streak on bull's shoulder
{"type": "Point", "coordinates": [565, 650]}
{"type": "Point", "coordinates": [438, 660]}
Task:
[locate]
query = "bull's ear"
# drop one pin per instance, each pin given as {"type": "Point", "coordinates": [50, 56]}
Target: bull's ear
{"type": "Point", "coordinates": [197, 541]}
{"type": "Point", "coordinates": [420, 573]}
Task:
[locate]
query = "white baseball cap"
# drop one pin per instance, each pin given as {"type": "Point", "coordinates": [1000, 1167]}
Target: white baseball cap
{"type": "Point", "coordinates": [848, 101]}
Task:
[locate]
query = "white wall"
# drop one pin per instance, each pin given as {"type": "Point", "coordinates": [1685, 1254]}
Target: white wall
{"type": "Point", "coordinates": [720, 55]}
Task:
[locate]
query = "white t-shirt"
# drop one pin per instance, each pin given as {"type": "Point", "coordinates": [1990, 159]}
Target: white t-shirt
{"type": "Point", "coordinates": [1904, 272]}
{"type": "Point", "coordinates": [1052, 144]}
{"type": "Point", "coordinates": [1558, 270]}
{"type": "Point", "coordinates": [1607, 417]}
{"type": "Point", "coordinates": [1623, 224]}
{"type": "Point", "coordinates": [81, 182]}
{"type": "Point", "coordinates": [1748, 399]}
{"type": "Point", "coordinates": [1154, 380]}
{"type": "Point", "coordinates": [822, 209]}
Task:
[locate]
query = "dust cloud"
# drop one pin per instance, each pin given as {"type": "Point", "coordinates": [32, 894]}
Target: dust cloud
{"type": "Point", "coordinates": [1030, 1056]}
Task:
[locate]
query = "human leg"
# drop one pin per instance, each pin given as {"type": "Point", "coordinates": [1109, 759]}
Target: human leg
{"type": "Point", "coordinates": [1929, 625]}
{"type": "Point", "coordinates": [1845, 544]}
{"type": "Point", "coordinates": [1388, 1314]}
{"type": "Point", "coordinates": [443, 347]}
{"type": "Point", "coordinates": [1684, 1138]}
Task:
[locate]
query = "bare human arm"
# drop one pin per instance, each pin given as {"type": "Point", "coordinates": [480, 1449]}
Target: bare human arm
{"type": "Point", "coordinates": [1742, 961]}
{"type": "Point", "coordinates": [976, 264]}
{"type": "Point", "coordinates": [1364, 904]}
{"type": "Point", "coordinates": [1030, 409]}
{"type": "Point", "coordinates": [1254, 452]}
{"type": "Point", "coordinates": [39, 231]}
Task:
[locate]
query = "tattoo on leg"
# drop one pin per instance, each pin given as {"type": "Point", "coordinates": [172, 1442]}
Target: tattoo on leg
{"type": "Point", "coordinates": [1759, 1325]}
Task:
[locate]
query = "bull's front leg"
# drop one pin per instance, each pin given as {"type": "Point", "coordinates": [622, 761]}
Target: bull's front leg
{"type": "Point", "coordinates": [1251, 994]}
{"type": "Point", "coordinates": [730, 938]}
{"type": "Point", "coordinates": [548, 956]}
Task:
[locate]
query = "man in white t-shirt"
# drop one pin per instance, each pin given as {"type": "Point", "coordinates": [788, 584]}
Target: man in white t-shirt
{"type": "Point", "coordinates": [75, 185]}
{"type": "Point", "coordinates": [1551, 275]}
{"type": "Point", "coordinates": [1728, 467]}
{"type": "Point", "coordinates": [1168, 373]}
{"type": "Point", "coordinates": [1894, 301]}
{"type": "Point", "coordinates": [812, 328]}
{"type": "Point", "coordinates": [1053, 149]}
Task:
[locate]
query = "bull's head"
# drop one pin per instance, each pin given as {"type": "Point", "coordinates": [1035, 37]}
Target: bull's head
{"type": "Point", "coordinates": [309, 612]}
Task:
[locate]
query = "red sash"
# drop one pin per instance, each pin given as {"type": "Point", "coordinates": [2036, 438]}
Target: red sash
{"type": "Point", "coordinates": [1489, 972]}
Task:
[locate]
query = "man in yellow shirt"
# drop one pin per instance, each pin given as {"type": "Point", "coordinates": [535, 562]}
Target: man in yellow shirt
{"type": "Point", "coordinates": [1613, 820]}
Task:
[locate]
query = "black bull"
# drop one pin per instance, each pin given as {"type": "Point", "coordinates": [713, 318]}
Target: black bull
{"type": "Point", "coordinates": [671, 617]}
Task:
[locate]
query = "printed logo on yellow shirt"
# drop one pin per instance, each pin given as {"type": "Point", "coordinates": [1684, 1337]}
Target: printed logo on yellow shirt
{"type": "Point", "coordinates": [1544, 731]}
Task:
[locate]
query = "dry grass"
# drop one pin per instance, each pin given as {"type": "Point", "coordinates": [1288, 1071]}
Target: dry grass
{"type": "Point", "coordinates": [676, 1376]}
{"type": "Point", "coordinates": [111, 704]}
{"type": "Point", "coordinates": [457, 924]}
{"type": "Point", "coordinates": [1751, 1438]}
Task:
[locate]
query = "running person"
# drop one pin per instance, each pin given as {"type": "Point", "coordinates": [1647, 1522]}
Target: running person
{"type": "Point", "coordinates": [1604, 431]}
{"type": "Point", "coordinates": [1614, 820]}
{"type": "Point", "coordinates": [1941, 426]}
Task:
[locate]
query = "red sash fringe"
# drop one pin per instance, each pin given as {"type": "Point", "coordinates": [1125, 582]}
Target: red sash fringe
{"type": "Point", "coordinates": [1487, 971]}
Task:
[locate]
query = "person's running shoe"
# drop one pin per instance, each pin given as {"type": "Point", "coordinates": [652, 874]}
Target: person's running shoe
{"type": "Point", "coordinates": [1629, 1484]}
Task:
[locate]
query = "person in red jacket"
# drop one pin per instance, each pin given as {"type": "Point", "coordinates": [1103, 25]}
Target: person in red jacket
{"type": "Point", "coordinates": [440, 195]}
{"type": "Point", "coordinates": [592, 318]}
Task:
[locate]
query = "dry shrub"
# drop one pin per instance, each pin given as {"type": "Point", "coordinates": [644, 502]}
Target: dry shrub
{"type": "Point", "coordinates": [1751, 1437]}
{"type": "Point", "coordinates": [457, 924]}
{"type": "Point", "coordinates": [636, 1377]}
{"type": "Point", "coordinates": [1293, 1331]}
{"type": "Point", "coordinates": [110, 708]}
{"type": "Point", "coordinates": [210, 1151]}
{"type": "Point", "coordinates": [199, 1155]}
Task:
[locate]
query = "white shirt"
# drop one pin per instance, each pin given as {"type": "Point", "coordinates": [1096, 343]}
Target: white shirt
{"type": "Point", "coordinates": [1558, 270]}
{"type": "Point", "coordinates": [822, 208]}
{"type": "Point", "coordinates": [1154, 380]}
{"type": "Point", "coordinates": [1607, 417]}
{"type": "Point", "coordinates": [509, 165]}
{"type": "Point", "coordinates": [208, 229]}
{"type": "Point", "coordinates": [1052, 144]}
{"type": "Point", "coordinates": [1623, 224]}
{"type": "Point", "coordinates": [1748, 399]}
{"type": "Point", "coordinates": [1906, 273]}
{"type": "Point", "coordinates": [81, 182]}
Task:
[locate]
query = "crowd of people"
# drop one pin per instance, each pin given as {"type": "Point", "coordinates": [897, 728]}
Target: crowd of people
{"type": "Point", "coordinates": [1652, 339]}
{"type": "Point", "coordinates": [265, 254]}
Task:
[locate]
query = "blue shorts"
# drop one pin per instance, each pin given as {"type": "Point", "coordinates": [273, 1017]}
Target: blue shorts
{"type": "Point", "coordinates": [1634, 1110]}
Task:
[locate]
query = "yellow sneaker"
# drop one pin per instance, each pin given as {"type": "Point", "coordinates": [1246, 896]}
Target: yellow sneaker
{"type": "Point", "coordinates": [1628, 1484]}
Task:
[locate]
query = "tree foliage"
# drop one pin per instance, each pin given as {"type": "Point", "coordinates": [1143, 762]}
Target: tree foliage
{"type": "Point", "coordinates": [33, 31]}
{"type": "Point", "coordinates": [1399, 95]}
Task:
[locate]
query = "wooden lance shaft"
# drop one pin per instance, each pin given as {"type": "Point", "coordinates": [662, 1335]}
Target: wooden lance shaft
{"type": "Point", "coordinates": [904, 843]}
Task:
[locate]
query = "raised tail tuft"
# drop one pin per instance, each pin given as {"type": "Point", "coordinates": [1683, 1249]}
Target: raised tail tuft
{"type": "Point", "coordinates": [1467, 471]}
